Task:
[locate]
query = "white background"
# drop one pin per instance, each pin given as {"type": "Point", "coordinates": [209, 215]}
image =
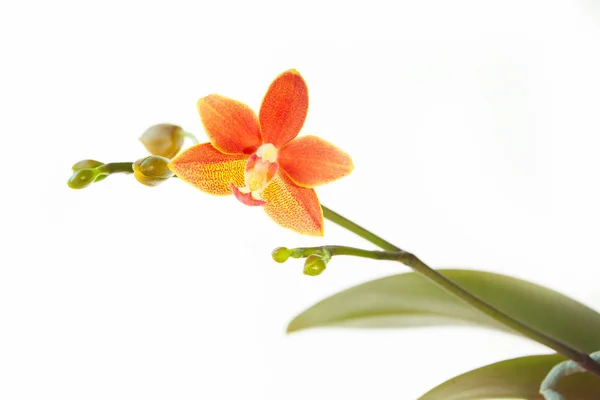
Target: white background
{"type": "Point", "coordinates": [474, 131]}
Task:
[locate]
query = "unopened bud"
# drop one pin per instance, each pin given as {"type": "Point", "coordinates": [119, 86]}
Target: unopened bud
{"type": "Point", "coordinates": [89, 164]}
{"type": "Point", "coordinates": [152, 170]}
{"type": "Point", "coordinates": [281, 254]}
{"type": "Point", "coordinates": [82, 178]}
{"type": "Point", "coordinates": [86, 164]}
{"type": "Point", "coordinates": [314, 265]}
{"type": "Point", "coordinates": [163, 140]}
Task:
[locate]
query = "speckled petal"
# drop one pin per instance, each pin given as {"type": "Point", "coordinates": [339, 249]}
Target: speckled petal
{"type": "Point", "coordinates": [209, 170]}
{"type": "Point", "coordinates": [293, 207]}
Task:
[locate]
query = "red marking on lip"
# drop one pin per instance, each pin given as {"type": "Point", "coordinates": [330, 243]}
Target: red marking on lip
{"type": "Point", "coordinates": [246, 198]}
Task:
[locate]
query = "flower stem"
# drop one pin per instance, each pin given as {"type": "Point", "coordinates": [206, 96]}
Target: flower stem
{"type": "Point", "coordinates": [357, 229]}
{"type": "Point", "coordinates": [117, 167]}
{"type": "Point", "coordinates": [193, 138]}
{"type": "Point", "coordinates": [395, 253]}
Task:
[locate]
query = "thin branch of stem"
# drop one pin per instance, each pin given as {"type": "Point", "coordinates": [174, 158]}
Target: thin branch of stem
{"type": "Point", "coordinates": [191, 136]}
{"type": "Point", "coordinates": [118, 167]}
{"type": "Point", "coordinates": [396, 254]}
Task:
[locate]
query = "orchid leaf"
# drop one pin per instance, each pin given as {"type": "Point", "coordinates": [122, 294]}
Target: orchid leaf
{"type": "Point", "coordinates": [409, 300]}
{"type": "Point", "coordinates": [518, 378]}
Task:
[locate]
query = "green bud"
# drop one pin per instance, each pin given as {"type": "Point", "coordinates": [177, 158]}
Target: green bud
{"type": "Point", "coordinates": [281, 254]}
{"type": "Point", "coordinates": [152, 170]}
{"type": "Point", "coordinates": [163, 140]}
{"type": "Point", "coordinates": [314, 265]}
{"type": "Point", "coordinates": [82, 178]}
{"type": "Point", "coordinates": [86, 164]}
{"type": "Point", "coordinates": [100, 177]}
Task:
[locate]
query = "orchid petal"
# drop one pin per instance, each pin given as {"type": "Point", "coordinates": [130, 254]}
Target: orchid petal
{"type": "Point", "coordinates": [284, 108]}
{"type": "Point", "coordinates": [311, 161]}
{"type": "Point", "coordinates": [293, 207]}
{"type": "Point", "coordinates": [231, 126]}
{"type": "Point", "coordinates": [209, 170]}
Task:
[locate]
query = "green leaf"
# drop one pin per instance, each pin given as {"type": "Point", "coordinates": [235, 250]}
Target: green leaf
{"type": "Point", "coordinates": [411, 300]}
{"type": "Point", "coordinates": [518, 378]}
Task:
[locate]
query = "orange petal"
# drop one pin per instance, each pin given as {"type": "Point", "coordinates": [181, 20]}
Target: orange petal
{"type": "Point", "coordinates": [293, 207]}
{"type": "Point", "coordinates": [311, 161]}
{"type": "Point", "coordinates": [284, 108]}
{"type": "Point", "coordinates": [231, 126]}
{"type": "Point", "coordinates": [208, 169]}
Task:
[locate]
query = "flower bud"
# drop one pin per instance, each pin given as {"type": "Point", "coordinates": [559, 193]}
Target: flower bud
{"type": "Point", "coordinates": [82, 178]}
{"type": "Point", "coordinates": [86, 164]}
{"type": "Point", "coordinates": [163, 140]}
{"type": "Point", "coordinates": [78, 180]}
{"type": "Point", "coordinates": [100, 177]}
{"type": "Point", "coordinates": [314, 265]}
{"type": "Point", "coordinates": [152, 170]}
{"type": "Point", "coordinates": [281, 254]}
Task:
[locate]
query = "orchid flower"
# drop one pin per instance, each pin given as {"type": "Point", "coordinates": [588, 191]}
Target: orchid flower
{"type": "Point", "coordinates": [260, 160]}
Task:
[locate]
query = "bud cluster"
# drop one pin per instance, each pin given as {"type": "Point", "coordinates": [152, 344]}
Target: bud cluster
{"type": "Point", "coordinates": [163, 141]}
{"type": "Point", "coordinates": [316, 259]}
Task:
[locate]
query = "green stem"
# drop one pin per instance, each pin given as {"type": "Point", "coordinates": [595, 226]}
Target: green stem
{"type": "Point", "coordinates": [395, 253]}
{"type": "Point", "coordinates": [412, 261]}
{"type": "Point", "coordinates": [191, 136]}
{"type": "Point", "coordinates": [117, 167]}
{"type": "Point", "coordinates": [357, 229]}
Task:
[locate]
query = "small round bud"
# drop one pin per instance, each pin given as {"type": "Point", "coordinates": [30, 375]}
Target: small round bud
{"type": "Point", "coordinates": [163, 140]}
{"type": "Point", "coordinates": [82, 178]}
{"type": "Point", "coordinates": [281, 254]}
{"type": "Point", "coordinates": [152, 170]}
{"type": "Point", "coordinates": [314, 265]}
{"type": "Point", "coordinates": [86, 164]}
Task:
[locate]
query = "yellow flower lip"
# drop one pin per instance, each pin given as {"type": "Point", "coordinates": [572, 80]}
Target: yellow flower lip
{"type": "Point", "coordinates": [259, 172]}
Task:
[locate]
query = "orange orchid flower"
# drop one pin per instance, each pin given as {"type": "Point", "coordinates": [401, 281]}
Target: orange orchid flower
{"type": "Point", "coordinates": [259, 160]}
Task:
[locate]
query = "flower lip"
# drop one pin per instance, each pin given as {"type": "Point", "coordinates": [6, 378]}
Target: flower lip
{"type": "Point", "coordinates": [258, 174]}
{"type": "Point", "coordinates": [246, 198]}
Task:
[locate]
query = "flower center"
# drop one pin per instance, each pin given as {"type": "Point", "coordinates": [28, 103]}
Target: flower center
{"type": "Point", "coordinates": [260, 170]}
{"type": "Point", "coordinates": [267, 152]}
